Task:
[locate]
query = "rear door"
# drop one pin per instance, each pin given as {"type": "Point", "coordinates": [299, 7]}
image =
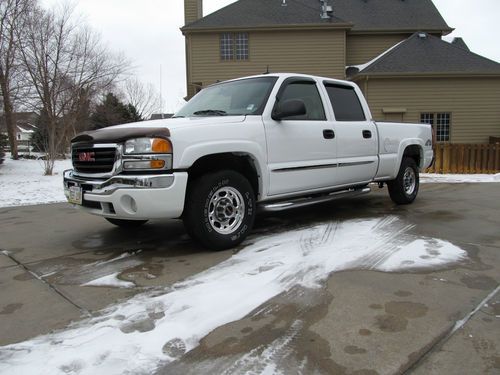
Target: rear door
{"type": "Point", "coordinates": [357, 147]}
{"type": "Point", "coordinates": [301, 149]}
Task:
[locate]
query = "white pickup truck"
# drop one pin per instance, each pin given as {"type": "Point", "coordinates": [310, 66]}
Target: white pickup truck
{"type": "Point", "coordinates": [268, 142]}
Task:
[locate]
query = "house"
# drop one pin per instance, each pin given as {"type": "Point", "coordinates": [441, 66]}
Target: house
{"type": "Point", "coordinates": [160, 116]}
{"type": "Point", "coordinates": [393, 49]}
{"type": "Point", "coordinates": [25, 127]}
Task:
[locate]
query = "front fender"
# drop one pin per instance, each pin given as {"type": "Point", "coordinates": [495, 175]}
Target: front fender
{"type": "Point", "coordinates": [196, 151]}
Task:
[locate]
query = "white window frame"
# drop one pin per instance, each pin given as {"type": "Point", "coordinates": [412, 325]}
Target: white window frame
{"type": "Point", "coordinates": [440, 122]}
{"type": "Point", "coordinates": [226, 47]}
{"type": "Point", "coordinates": [234, 46]}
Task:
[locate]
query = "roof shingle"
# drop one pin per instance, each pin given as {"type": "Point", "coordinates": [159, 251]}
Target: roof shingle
{"type": "Point", "coordinates": [365, 15]}
{"type": "Point", "coordinates": [259, 13]}
{"type": "Point", "coordinates": [423, 53]}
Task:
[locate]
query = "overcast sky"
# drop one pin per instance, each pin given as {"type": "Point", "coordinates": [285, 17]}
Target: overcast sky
{"type": "Point", "coordinates": [147, 31]}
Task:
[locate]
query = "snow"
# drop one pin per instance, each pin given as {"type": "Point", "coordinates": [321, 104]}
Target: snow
{"type": "Point", "coordinates": [129, 337]}
{"type": "Point", "coordinates": [110, 281]}
{"type": "Point", "coordinates": [458, 178]}
{"type": "Point", "coordinates": [362, 67]}
{"type": "Point", "coordinates": [22, 182]}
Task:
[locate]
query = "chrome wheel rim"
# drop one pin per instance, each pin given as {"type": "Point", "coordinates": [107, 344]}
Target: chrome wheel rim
{"type": "Point", "coordinates": [226, 210]}
{"type": "Point", "coordinates": [409, 181]}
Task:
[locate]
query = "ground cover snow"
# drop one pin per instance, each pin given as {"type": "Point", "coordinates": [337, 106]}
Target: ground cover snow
{"type": "Point", "coordinates": [458, 178]}
{"type": "Point", "coordinates": [157, 326]}
{"type": "Point", "coordinates": [22, 182]}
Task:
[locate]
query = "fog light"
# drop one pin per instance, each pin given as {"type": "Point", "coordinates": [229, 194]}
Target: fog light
{"type": "Point", "coordinates": [129, 205]}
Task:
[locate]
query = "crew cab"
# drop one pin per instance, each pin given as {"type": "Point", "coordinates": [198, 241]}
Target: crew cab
{"type": "Point", "coordinates": [269, 142]}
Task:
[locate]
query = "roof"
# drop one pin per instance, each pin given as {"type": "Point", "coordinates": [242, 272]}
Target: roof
{"type": "Point", "coordinates": [426, 54]}
{"type": "Point", "coordinates": [373, 15]}
{"type": "Point", "coordinates": [459, 42]}
{"type": "Point", "coordinates": [160, 116]}
{"type": "Point", "coordinates": [25, 121]}
{"type": "Point", "coordinates": [364, 15]}
{"type": "Point", "coordinates": [259, 13]}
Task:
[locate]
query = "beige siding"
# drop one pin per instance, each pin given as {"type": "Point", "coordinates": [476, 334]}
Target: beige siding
{"type": "Point", "coordinates": [474, 103]}
{"type": "Point", "coordinates": [313, 52]}
{"type": "Point", "coordinates": [363, 48]}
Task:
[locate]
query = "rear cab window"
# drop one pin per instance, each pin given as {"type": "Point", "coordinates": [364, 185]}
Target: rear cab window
{"type": "Point", "coordinates": [345, 102]}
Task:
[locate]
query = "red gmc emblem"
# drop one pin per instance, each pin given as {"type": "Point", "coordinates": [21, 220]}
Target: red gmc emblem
{"type": "Point", "coordinates": [86, 156]}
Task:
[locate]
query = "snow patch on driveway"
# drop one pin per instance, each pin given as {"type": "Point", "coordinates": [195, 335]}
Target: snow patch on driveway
{"type": "Point", "coordinates": [22, 182]}
{"type": "Point", "coordinates": [110, 281]}
{"type": "Point", "coordinates": [458, 178]}
{"type": "Point", "coordinates": [131, 337]}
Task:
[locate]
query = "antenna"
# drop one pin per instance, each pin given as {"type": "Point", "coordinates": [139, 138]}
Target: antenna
{"type": "Point", "coordinates": [161, 99]}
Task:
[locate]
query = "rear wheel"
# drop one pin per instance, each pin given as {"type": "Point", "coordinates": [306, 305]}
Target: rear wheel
{"type": "Point", "coordinates": [220, 209]}
{"type": "Point", "coordinates": [404, 189]}
{"type": "Point", "coordinates": [127, 223]}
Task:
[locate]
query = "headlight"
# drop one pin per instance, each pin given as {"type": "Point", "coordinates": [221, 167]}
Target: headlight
{"type": "Point", "coordinates": [147, 146]}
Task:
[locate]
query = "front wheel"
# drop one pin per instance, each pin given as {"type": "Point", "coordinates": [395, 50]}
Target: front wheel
{"type": "Point", "coordinates": [404, 189]}
{"type": "Point", "coordinates": [128, 224]}
{"type": "Point", "coordinates": [220, 209]}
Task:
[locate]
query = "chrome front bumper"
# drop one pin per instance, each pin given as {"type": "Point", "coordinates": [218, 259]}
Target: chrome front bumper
{"type": "Point", "coordinates": [138, 197]}
{"type": "Point", "coordinates": [109, 186]}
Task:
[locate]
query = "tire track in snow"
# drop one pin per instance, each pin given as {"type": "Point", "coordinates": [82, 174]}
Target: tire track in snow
{"type": "Point", "coordinates": [129, 337]}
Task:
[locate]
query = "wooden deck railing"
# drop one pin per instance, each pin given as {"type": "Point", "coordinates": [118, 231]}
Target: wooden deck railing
{"type": "Point", "coordinates": [466, 158]}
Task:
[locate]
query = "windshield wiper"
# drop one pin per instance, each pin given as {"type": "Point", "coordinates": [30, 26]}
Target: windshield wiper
{"type": "Point", "coordinates": [210, 112]}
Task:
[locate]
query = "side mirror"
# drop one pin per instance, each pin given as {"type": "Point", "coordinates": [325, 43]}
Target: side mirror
{"type": "Point", "coordinates": [289, 108]}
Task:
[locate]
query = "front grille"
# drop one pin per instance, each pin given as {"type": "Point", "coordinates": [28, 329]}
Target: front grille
{"type": "Point", "coordinates": [95, 160]}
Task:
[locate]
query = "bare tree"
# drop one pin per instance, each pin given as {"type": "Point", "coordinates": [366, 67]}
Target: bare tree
{"type": "Point", "coordinates": [144, 98]}
{"type": "Point", "coordinates": [13, 14]}
{"type": "Point", "coordinates": [67, 65]}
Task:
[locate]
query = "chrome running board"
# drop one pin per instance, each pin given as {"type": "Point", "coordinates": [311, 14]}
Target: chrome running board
{"type": "Point", "coordinates": [308, 201]}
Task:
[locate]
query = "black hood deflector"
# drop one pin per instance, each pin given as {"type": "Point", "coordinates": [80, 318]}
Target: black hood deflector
{"type": "Point", "coordinates": [118, 135]}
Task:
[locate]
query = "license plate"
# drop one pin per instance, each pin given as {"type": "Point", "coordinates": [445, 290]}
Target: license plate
{"type": "Point", "coordinates": [75, 195]}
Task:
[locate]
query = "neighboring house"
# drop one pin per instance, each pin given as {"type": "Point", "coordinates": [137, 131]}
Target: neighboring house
{"type": "Point", "coordinates": [25, 127]}
{"type": "Point", "coordinates": [160, 116]}
{"type": "Point", "coordinates": [391, 48]}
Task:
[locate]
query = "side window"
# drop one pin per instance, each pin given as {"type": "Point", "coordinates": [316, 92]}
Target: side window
{"type": "Point", "coordinates": [345, 103]}
{"type": "Point", "coordinates": [308, 93]}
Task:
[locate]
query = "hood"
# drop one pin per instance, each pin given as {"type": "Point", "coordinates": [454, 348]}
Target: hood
{"type": "Point", "coordinates": [150, 129]}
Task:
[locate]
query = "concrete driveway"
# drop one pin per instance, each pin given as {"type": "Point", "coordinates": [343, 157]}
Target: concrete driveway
{"type": "Point", "coordinates": [443, 319]}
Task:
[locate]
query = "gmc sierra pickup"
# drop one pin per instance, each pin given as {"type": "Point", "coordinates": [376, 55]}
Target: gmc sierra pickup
{"type": "Point", "coordinates": [269, 142]}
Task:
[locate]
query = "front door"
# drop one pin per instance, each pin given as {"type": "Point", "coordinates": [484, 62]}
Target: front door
{"type": "Point", "coordinates": [301, 149]}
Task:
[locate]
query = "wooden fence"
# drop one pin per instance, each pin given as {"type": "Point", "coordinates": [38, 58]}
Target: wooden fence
{"type": "Point", "coordinates": [466, 158]}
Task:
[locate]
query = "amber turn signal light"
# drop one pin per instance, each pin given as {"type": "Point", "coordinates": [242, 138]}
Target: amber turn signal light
{"type": "Point", "coordinates": [157, 164]}
{"type": "Point", "coordinates": [161, 146]}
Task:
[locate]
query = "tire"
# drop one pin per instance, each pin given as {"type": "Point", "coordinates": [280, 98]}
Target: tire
{"type": "Point", "coordinates": [404, 189]}
{"type": "Point", "coordinates": [220, 209]}
{"type": "Point", "coordinates": [127, 223]}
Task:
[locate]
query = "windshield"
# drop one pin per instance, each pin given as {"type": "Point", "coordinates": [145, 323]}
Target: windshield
{"type": "Point", "coordinates": [243, 97]}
